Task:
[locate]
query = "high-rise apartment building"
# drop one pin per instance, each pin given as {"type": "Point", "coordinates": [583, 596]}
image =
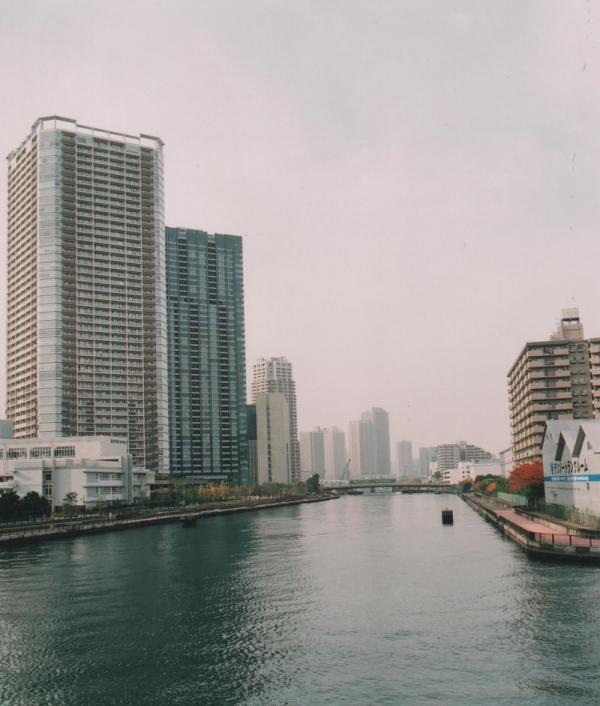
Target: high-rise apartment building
{"type": "Point", "coordinates": [312, 453]}
{"type": "Point", "coordinates": [334, 442]}
{"type": "Point", "coordinates": [207, 359]}
{"type": "Point", "coordinates": [362, 455]}
{"type": "Point", "coordinates": [86, 324]}
{"type": "Point", "coordinates": [273, 438]}
{"type": "Point", "coordinates": [554, 379]}
{"type": "Point", "coordinates": [404, 458]}
{"type": "Point", "coordinates": [424, 461]}
{"type": "Point", "coordinates": [370, 444]}
{"type": "Point", "coordinates": [381, 429]}
{"type": "Point", "coordinates": [275, 375]}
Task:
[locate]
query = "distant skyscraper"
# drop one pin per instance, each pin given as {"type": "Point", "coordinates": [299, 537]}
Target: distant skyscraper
{"type": "Point", "coordinates": [381, 430]}
{"type": "Point", "coordinates": [207, 359]}
{"type": "Point", "coordinates": [405, 459]}
{"type": "Point", "coordinates": [275, 375]}
{"type": "Point", "coordinates": [312, 453]}
{"type": "Point", "coordinates": [273, 438]}
{"type": "Point", "coordinates": [370, 444]}
{"type": "Point", "coordinates": [334, 443]}
{"type": "Point", "coordinates": [86, 325]}
{"type": "Point", "coordinates": [424, 461]}
{"type": "Point", "coordinates": [362, 454]}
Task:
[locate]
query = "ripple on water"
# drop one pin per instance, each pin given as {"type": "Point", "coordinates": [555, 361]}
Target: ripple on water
{"type": "Point", "coordinates": [365, 600]}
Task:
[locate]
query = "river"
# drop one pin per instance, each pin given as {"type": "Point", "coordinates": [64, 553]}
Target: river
{"type": "Point", "coordinates": [361, 600]}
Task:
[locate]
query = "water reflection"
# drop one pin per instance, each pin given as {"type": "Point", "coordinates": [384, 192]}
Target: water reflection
{"type": "Point", "coordinates": [361, 600]}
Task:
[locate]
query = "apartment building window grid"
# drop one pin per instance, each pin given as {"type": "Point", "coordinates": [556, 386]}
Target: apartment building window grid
{"type": "Point", "coordinates": [207, 375]}
{"type": "Point", "coordinates": [102, 326]}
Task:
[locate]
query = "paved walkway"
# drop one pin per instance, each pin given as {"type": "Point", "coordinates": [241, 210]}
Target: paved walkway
{"type": "Point", "coordinates": [543, 533]}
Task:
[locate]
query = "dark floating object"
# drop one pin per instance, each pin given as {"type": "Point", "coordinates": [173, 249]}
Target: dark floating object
{"type": "Point", "coordinates": [447, 517]}
{"type": "Point", "coordinates": [189, 521]}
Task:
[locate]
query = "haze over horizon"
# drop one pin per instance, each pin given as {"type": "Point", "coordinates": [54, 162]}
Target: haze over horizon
{"type": "Point", "coordinates": [416, 182]}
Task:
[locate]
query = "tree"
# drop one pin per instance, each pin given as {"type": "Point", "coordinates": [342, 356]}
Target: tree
{"type": "Point", "coordinates": [69, 502]}
{"type": "Point", "coordinates": [466, 485]}
{"type": "Point", "coordinates": [34, 505]}
{"type": "Point", "coordinates": [312, 484]}
{"type": "Point", "coordinates": [527, 479]}
{"type": "Point", "coordinates": [9, 505]}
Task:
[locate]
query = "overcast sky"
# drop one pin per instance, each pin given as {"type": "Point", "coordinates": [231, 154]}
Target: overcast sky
{"type": "Point", "coordinates": [417, 183]}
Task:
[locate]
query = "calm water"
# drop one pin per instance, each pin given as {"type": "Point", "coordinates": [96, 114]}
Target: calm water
{"type": "Point", "coordinates": [362, 600]}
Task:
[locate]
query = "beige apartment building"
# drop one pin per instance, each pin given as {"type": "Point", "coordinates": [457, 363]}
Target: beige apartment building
{"type": "Point", "coordinates": [554, 379]}
{"type": "Point", "coordinates": [86, 309]}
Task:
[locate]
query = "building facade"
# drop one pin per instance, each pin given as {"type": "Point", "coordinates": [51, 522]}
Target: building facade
{"type": "Point", "coordinates": [571, 461]}
{"type": "Point", "coordinates": [275, 375]}
{"type": "Point", "coordinates": [206, 354]}
{"type": "Point", "coordinates": [86, 309]}
{"type": "Point", "coordinates": [381, 431]}
{"type": "Point", "coordinates": [424, 461]}
{"type": "Point", "coordinates": [360, 434]}
{"type": "Point", "coordinates": [96, 469]}
{"type": "Point", "coordinates": [450, 455]}
{"type": "Point", "coordinates": [312, 453]}
{"type": "Point", "coordinates": [251, 436]}
{"type": "Point", "coordinates": [370, 444]}
{"type": "Point", "coordinates": [272, 438]}
{"type": "Point", "coordinates": [506, 462]}
{"type": "Point", "coordinates": [404, 459]}
{"type": "Point", "coordinates": [554, 379]}
{"type": "Point", "coordinates": [334, 442]}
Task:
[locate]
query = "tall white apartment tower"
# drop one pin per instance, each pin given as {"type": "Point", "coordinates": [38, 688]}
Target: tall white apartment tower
{"type": "Point", "coordinates": [275, 375]}
{"type": "Point", "coordinates": [86, 325]}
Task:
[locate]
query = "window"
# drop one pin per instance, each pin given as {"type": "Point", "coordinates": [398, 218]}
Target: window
{"type": "Point", "coordinates": [63, 451]}
{"type": "Point", "coordinates": [40, 452]}
{"type": "Point", "coordinates": [16, 453]}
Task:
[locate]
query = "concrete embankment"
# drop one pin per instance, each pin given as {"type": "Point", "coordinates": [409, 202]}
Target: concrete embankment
{"type": "Point", "coordinates": [534, 537]}
{"type": "Point", "coordinates": [64, 529]}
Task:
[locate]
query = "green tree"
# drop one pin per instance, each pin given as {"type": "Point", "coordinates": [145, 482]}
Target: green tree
{"type": "Point", "coordinates": [34, 505]}
{"type": "Point", "coordinates": [9, 505]}
{"type": "Point", "coordinates": [312, 484]}
{"type": "Point", "coordinates": [69, 502]}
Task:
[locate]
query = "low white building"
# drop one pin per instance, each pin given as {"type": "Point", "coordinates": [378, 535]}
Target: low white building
{"type": "Point", "coordinates": [571, 458]}
{"type": "Point", "coordinates": [487, 467]}
{"type": "Point", "coordinates": [96, 468]}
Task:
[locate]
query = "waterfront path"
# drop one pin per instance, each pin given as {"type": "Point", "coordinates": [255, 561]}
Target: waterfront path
{"type": "Point", "coordinates": [64, 528]}
{"type": "Point", "coordinates": [536, 537]}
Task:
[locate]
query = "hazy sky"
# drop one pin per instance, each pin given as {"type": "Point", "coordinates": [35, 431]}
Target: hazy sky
{"type": "Point", "coordinates": [417, 183]}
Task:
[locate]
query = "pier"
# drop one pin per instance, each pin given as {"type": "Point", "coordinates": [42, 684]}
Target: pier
{"type": "Point", "coordinates": [538, 537]}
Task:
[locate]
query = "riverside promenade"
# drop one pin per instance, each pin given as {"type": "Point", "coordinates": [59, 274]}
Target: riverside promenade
{"type": "Point", "coordinates": [65, 528]}
{"type": "Point", "coordinates": [541, 537]}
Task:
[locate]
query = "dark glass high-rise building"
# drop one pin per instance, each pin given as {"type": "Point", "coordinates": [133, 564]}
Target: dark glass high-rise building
{"type": "Point", "coordinates": [207, 360]}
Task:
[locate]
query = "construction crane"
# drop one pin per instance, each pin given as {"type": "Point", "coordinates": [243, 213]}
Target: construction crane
{"type": "Point", "coordinates": [346, 471]}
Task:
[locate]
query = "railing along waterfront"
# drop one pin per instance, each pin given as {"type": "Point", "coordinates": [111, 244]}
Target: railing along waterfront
{"type": "Point", "coordinates": [563, 540]}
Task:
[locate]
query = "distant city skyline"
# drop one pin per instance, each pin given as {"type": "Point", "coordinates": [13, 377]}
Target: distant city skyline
{"type": "Point", "coordinates": [394, 203]}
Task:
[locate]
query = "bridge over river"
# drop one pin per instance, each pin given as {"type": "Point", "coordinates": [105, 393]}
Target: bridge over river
{"type": "Point", "coordinates": [394, 485]}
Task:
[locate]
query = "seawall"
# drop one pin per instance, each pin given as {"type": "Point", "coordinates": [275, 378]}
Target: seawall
{"type": "Point", "coordinates": [65, 529]}
{"type": "Point", "coordinates": [534, 537]}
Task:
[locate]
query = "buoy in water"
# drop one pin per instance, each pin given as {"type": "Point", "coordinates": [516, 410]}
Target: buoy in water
{"type": "Point", "coordinates": [447, 517]}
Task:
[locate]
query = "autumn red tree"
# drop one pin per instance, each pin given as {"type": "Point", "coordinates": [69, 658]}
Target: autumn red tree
{"type": "Point", "coordinates": [527, 477]}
